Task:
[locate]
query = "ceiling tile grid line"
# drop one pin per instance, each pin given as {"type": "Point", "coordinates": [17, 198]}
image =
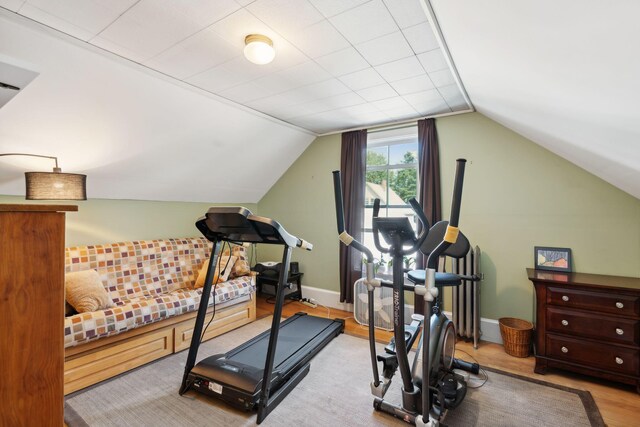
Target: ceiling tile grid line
{"type": "Point", "coordinates": [374, 50]}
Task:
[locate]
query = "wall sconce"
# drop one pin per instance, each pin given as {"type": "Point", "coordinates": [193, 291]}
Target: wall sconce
{"type": "Point", "coordinates": [53, 185]}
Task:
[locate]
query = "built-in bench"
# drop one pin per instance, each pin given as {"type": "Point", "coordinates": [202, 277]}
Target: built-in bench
{"type": "Point", "coordinates": [151, 285]}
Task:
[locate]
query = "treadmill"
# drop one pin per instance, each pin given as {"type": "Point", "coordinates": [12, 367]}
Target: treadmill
{"type": "Point", "coordinates": [261, 372]}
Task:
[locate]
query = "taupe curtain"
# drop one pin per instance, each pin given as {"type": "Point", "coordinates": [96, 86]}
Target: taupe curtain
{"type": "Point", "coordinates": [429, 188]}
{"type": "Point", "coordinates": [352, 167]}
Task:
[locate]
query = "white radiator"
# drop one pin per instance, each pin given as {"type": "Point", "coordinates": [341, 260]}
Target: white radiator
{"type": "Point", "coordinates": [466, 297]}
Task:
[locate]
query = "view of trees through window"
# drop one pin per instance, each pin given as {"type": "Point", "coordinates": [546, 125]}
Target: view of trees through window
{"type": "Point", "coordinates": [392, 177]}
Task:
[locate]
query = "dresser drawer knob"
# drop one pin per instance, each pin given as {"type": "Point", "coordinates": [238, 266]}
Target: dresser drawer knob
{"type": "Point", "coordinates": [619, 331]}
{"type": "Point", "coordinates": [564, 323]}
{"type": "Point", "coordinates": [619, 361]}
{"type": "Point", "coordinates": [565, 350]}
{"type": "Point", "coordinates": [566, 298]}
{"type": "Point", "coordinates": [619, 304]}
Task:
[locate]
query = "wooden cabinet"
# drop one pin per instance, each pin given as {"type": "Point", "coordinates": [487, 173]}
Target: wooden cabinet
{"type": "Point", "coordinates": [32, 314]}
{"type": "Point", "coordinates": [588, 323]}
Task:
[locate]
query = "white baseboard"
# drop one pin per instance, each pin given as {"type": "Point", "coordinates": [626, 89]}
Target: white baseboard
{"type": "Point", "coordinates": [489, 327]}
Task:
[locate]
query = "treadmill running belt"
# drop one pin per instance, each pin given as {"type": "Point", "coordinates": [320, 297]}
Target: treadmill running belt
{"type": "Point", "coordinates": [291, 337]}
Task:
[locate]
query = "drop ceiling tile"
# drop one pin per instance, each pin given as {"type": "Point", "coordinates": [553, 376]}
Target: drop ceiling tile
{"type": "Point", "coordinates": [79, 18]}
{"type": "Point", "coordinates": [413, 84]}
{"type": "Point", "coordinates": [319, 39]}
{"type": "Point", "coordinates": [433, 60]}
{"type": "Point", "coordinates": [362, 109]}
{"type": "Point", "coordinates": [344, 100]}
{"type": "Point", "coordinates": [421, 37]}
{"type": "Point", "coordinates": [376, 93]}
{"type": "Point", "coordinates": [306, 73]}
{"type": "Point", "coordinates": [119, 50]}
{"type": "Point", "coordinates": [235, 27]}
{"type": "Point", "coordinates": [343, 62]}
{"type": "Point", "coordinates": [245, 92]}
{"type": "Point", "coordinates": [401, 69]}
{"type": "Point", "coordinates": [453, 97]}
{"type": "Point", "coordinates": [330, 8]}
{"type": "Point", "coordinates": [442, 78]}
{"type": "Point", "coordinates": [402, 113]}
{"type": "Point", "coordinates": [427, 102]}
{"type": "Point", "coordinates": [227, 75]}
{"type": "Point", "coordinates": [13, 5]}
{"type": "Point", "coordinates": [385, 49]}
{"type": "Point", "coordinates": [326, 104]}
{"type": "Point", "coordinates": [362, 79]}
{"type": "Point", "coordinates": [315, 91]}
{"type": "Point", "coordinates": [406, 12]}
{"type": "Point", "coordinates": [392, 103]}
{"type": "Point", "coordinates": [366, 22]}
{"type": "Point", "coordinates": [277, 83]}
{"type": "Point", "coordinates": [194, 55]}
{"type": "Point", "coordinates": [285, 16]}
{"type": "Point", "coordinates": [152, 26]}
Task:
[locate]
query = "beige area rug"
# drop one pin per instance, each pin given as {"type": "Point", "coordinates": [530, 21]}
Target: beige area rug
{"type": "Point", "coordinates": [334, 393]}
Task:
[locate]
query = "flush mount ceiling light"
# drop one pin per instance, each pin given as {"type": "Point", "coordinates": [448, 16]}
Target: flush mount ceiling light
{"type": "Point", "coordinates": [53, 185]}
{"type": "Point", "coordinates": [259, 49]}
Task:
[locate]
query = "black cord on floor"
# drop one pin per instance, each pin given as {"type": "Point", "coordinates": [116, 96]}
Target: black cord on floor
{"type": "Point", "coordinates": [484, 376]}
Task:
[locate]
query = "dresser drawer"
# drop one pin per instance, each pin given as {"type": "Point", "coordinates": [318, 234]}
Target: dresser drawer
{"type": "Point", "coordinates": [609, 328]}
{"type": "Point", "coordinates": [599, 355]}
{"type": "Point", "coordinates": [603, 302]}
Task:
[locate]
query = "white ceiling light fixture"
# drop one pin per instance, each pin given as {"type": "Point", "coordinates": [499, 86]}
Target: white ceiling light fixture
{"type": "Point", "coordinates": [259, 49]}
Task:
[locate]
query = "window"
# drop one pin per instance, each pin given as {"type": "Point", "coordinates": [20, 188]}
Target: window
{"type": "Point", "coordinates": [391, 176]}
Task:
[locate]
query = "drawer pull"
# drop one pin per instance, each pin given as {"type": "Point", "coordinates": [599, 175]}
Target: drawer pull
{"type": "Point", "coordinates": [566, 298]}
{"type": "Point", "coordinates": [619, 361]}
{"type": "Point", "coordinates": [566, 350]}
{"type": "Point", "coordinates": [565, 323]}
{"type": "Point", "coordinates": [619, 331]}
{"type": "Point", "coordinates": [619, 304]}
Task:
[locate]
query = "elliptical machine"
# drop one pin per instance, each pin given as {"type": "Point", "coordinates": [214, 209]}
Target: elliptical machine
{"type": "Point", "coordinates": [430, 387]}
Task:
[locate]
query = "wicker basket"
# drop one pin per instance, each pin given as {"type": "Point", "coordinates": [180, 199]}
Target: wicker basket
{"type": "Point", "coordinates": [516, 335]}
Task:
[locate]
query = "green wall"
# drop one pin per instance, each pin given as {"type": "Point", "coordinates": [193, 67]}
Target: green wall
{"type": "Point", "coordinates": [517, 195]}
{"type": "Point", "coordinates": [106, 221]}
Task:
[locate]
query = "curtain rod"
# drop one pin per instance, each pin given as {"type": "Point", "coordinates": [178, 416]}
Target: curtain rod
{"type": "Point", "coordinates": [399, 124]}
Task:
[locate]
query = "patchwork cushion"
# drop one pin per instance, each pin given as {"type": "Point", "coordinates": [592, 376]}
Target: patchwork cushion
{"type": "Point", "coordinates": [241, 267]}
{"type": "Point", "coordinates": [142, 310]}
{"type": "Point", "coordinates": [141, 268]}
{"type": "Point", "coordinates": [224, 262]}
{"type": "Point", "coordinates": [84, 291]}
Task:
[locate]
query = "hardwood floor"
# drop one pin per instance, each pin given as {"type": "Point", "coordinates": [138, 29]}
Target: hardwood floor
{"type": "Point", "coordinates": [619, 404]}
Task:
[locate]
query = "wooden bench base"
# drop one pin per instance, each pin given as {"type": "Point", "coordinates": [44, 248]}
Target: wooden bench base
{"type": "Point", "coordinates": [99, 360]}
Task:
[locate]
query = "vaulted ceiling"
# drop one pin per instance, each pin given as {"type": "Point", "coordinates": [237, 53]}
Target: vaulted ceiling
{"type": "Point", "coordinates": [564, 74]}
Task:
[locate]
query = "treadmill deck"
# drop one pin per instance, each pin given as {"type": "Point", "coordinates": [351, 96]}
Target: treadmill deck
{"type": "Point", "coordinates": [236, 377]}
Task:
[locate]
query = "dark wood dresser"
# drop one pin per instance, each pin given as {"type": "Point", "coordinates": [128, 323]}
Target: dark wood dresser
{"type": "Point", "coordinates": [588, 323]}
{"type": "Point", "coordinates": [32, 314]}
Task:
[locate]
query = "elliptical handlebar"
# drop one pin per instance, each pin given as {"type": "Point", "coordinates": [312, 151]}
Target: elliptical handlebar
{"type": "Point", "coordinates": [457, 193]}
{"type": "Point", "coordinates": [451, 234]}
{"type": "Point", "coordinates": [345, 237]}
